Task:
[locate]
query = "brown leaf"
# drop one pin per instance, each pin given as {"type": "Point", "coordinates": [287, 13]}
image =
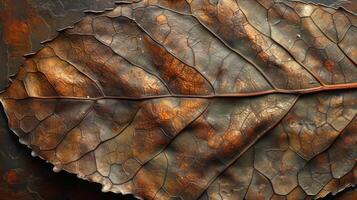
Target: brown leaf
{"type": "Point", "coordinates": [349, 5]}
{"type": "Point", "coordinates": [207, 99]}
{"type": "Point", "coordinates": [24, 24]}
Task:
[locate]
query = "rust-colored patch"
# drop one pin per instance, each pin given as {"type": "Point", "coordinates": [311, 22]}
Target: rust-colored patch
{"type": "Point", "coordinates": [12, 177]}
{"type": "Point", "coordinates": [17, 33]}
{"type": "Point", "coordinates": [329, 65]}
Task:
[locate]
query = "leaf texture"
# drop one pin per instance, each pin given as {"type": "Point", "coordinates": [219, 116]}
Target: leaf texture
{"type": "Point", "coordinates": [349, 5]}
{"type": "Point", "coordinates": [197, 100]}
{"type": "Point", "coordinates": [25, 24]}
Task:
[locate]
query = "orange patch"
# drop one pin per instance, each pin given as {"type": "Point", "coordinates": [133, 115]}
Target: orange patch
{"type": "Point", "coordinates": [215, 141]}
{"type": "Point", "coordinates": [17, 30]}
{"type": "Point", "coordinates": [161, 19]}
{"type": "Point", "coordinates": [11, 177]}
{"type": "Point", "coordinates": [329, 65]}
{"type": "Point", "coordinates": [182, 79]}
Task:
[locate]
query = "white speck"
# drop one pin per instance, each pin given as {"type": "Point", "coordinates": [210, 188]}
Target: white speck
{"type": "Point", "coordinates": [57, 169]}
{"type": "Point", "coordinates": [22, 141]}
{"type": "Point", "coordinates": [33, 154]}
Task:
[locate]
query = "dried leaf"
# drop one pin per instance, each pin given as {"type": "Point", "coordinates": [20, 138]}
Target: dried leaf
{"type": "Point", "coordinates": [207, 99]}
{"type": "Point", "coordinates": [349, 5]}
{"type": "Point", "coordinates": [24, 24]}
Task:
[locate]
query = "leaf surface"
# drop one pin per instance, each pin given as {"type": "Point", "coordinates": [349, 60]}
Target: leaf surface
{"type": "Point", "coordinates": [197, 100]}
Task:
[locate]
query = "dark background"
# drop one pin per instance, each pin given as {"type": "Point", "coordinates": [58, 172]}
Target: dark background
{"type": "Point", "coordinates": [24, 24]}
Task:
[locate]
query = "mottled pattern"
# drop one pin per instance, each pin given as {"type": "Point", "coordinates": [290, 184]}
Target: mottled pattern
{"type": "Point", "coordinates": [23, 177]}
{"type": "Point", "coordinates": [245, 99]}
{"type": "Point", "coordinates": [349, 5]}
{"type": "Point", "coordinates": [25, 24]}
